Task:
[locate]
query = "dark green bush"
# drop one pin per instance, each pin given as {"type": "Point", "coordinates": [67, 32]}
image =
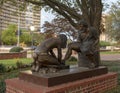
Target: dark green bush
{"type": "Point", "coordinates": [104, 43]}
{"type": "Point", "coordinates": [16, 49]}
{"type": "Point", "coordinates": [8, 35]}
{"type": "Point", "coordinates": [2, 68]}
{"type": "Point", "coordinates": [72, 58]}
{"type": "Point", "coordinates": [10, 68]}
{"type": "Point", "coordinates": [19, 64]}
{"type": "Point", "coordinates": [2, 87]}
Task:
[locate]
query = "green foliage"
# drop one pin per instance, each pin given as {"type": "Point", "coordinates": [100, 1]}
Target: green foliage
{"type": "Point", "coordinates": [2, 87]}
{"type": "Point", "coordinates": [11, 72]}
{"type": "Point", "coordinates": [38, 38]}
{"type": "Point", "coordinates": [12, 62]}
{"type": "Point", "coordinates": [8, 35]}
{"type": "Point", "coordinates": [2, 68]}
{"type": "Point", "coordinates": [113, 22]}
{"type": "Point", "coordinates": [72, 61]}
{"type": "Point", "coordinates": [15, 64]}
{"type": "Point", "coordinates": [7, 75]}
{"type": "Point", "coordinates": [26, 38]}
{"type": "Point", "coordinates": [104, 43]}
{"type": "Point", "coordinates": [10, 68]}
{"type": "Point", "coordinates": [16, 49]}
{"type": "Point", "coordinates": [72, 58]}
{"type": "Point", "coordinates": [19, 64]}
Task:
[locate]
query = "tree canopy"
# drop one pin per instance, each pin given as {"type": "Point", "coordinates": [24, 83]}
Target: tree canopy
{"type": "Point", "coordinates": [8, 35]}
{"type": "Point", "coordinates": [113, 22]}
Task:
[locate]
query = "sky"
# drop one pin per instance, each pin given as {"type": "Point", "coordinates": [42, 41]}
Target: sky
{"type": "Point", "coordinates": [45, 16]}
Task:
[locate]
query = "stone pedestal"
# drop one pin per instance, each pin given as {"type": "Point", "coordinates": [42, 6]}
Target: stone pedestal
{"type": "Point", "coordinates": [77, 80]}
{"type": "Point", "coordinates": [63, 76]}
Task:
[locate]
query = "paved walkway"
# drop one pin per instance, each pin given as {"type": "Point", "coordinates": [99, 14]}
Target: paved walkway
{"type": "Point", "coordinates": [110, 57]}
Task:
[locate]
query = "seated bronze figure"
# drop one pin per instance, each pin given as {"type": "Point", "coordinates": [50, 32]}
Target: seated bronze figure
{"type": "Point", "coordinates": [44, 55]}
{"type": "Point", "coordinates": [86, 46]}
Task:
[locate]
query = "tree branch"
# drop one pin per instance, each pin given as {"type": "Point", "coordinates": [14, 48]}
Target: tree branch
{"type": "Point", "coordinates": [85, 10]}
{"type": "Point", "coordinates": [92, 11]}
{"type": "Point", "coordinates": [98, 15]}
{"type": "Point", "coordinates": [61, 12]}
{"type": "Point", "coordinates": [68, 10]}
{"type": "Point", "coordinates": [35, 2]}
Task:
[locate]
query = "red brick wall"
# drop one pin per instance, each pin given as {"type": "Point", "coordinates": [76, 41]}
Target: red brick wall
{"type": "Point", "coordinates": [96, 84]}
{"type": "Point", "coordinates": [13, 55]}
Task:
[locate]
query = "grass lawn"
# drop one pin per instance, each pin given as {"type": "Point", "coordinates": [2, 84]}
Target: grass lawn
{"type": "Point", "coordinates": [12, 62]}
{"type": "Point", "coordinates": [110, 52]}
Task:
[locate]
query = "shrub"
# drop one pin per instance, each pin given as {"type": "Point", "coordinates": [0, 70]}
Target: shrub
{"type": "Point", "coordinates": [2, 86]}
{"type": "Point", "coordinates": [8, 35]}
{"type": "Point", "coordinates": [2, 68]}
{"type": "Point", "coordinates": [104, 43]}
{"type": "Point", "coordinates": [72, 58]}
{"type": "Point", "coordinates": [19, 64]}
{"type": "Point", "coordinates": [16, 49]}
{"type": "Point", "coordinates": [10, 68]}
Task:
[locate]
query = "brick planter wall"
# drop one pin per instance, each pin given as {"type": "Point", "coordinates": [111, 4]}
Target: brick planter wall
{"type": "Point", "coordinates": [13, 55]}
{"type": "Point", "coordinates": [96, 84]}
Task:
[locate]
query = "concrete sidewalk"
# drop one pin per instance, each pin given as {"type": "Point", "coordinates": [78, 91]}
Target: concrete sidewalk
{"type": "Point", "coordinates": [110, 57]}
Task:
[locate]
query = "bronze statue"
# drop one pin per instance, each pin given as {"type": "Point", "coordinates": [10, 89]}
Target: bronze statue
{"type": "Point", "coordinates": [85, 46]}
{"type": "Point", "coordinates": [44, 55]}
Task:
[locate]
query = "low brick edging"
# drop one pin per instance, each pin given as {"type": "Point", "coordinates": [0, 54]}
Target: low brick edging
{"type": "Point", "coordinates": [96, 84]}
{"type": "Point", "coordinates": [13, 55]}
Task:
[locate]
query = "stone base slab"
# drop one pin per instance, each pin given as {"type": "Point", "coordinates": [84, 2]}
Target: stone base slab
{"type": "Point", "coordinates": [63, 76]}
{"type": "Point", "coordinates": [97, 84]}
